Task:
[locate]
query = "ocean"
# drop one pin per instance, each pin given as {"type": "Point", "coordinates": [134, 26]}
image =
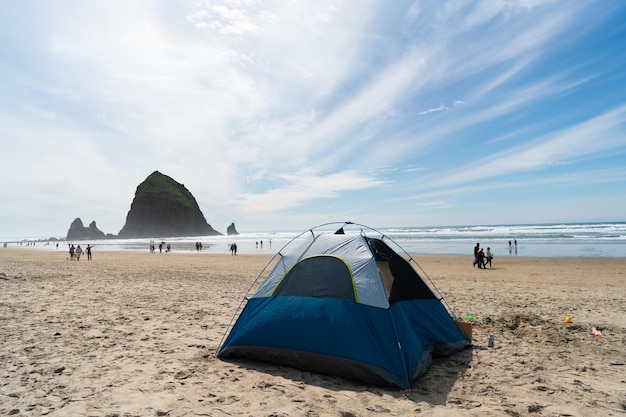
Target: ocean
{"type": "Point", "coordinates": [533, 240]}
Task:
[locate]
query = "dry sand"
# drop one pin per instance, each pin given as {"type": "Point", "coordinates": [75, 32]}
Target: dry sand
{"type": "Point", "coordinates": [134, 334]}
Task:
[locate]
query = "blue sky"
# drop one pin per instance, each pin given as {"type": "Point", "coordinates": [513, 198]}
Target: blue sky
{"type": "Point", "coordinates": [284, 115]}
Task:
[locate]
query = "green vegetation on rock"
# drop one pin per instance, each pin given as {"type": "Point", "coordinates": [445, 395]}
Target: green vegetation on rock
{"type": "Point", "coordinates": [163, 207]}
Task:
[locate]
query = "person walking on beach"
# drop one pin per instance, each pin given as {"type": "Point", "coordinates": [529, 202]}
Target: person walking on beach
{"type": "Point", "coordinates": [71, 252]}
{"type": "Point", "coordinates": [480, 259]}
{"type": "Point", "coordinates": [488, 257]}
{"type": "Point", "coordinates": [89, 252]}
{"type": "Point", "coordinates": [78, 252]}
{"type": "Point", "coordinates": [476, 249]}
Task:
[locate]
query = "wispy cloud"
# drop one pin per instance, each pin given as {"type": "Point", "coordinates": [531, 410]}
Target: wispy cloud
{"type": "Point", "coordinates": [298, 189]}
{"type": "Point", "coordinates": [441, 107]}
{"type": "Point", "coordinates": [589, 139]}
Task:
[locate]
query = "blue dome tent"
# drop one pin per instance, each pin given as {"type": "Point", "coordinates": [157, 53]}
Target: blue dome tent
{"type": "Point", "coordinates": [345, 304]}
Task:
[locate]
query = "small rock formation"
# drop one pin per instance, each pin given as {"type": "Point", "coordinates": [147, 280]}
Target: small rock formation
{"type": "Point", "coordinates": [78, 232]}
{"type": "Point", "coordinates": [231, 230]}
{"type": "Point", "coordinates": [164, 208]}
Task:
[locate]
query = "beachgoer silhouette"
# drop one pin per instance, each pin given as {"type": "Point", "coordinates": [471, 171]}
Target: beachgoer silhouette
{"type": "Point", "coordinates": [476, 249]}
{"type": "Point", "coordinates": [488, 257]}
{"type": "Point", "coordinates": [480, 259]}
{"type": "Point", "coordinates": [78, 252]}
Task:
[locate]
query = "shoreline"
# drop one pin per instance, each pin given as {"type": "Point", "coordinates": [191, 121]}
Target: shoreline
{"type": "Point", "coordinates": [135, 333]}
{"type": "Point", "coordinates": [571, 240]}
{"type": "Point", "coordinates": [270, 253]}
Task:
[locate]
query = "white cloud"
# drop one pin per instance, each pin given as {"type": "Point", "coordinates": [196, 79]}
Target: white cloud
{"type": "Point", "coordinates": [234, 97]}
{"type": "Point", "coordinates": [589, 139]}
{"type": "Point", "coordinates": [303, 187]}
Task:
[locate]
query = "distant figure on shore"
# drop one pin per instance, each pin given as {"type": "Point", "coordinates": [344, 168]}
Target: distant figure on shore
{"type": "Point", "coordinates": [512, 244]}
{"type": "Point", "coordinates": [89, 252]}
{"type": "Point", "coordinates": [72, 252]}
{"type": "Point", "coordinates": [476, 248]}
{"type": "Point", "coordinates": [233, 249]}
{"type": "Point", "coordinates": [488, 257]}
{"type": "Point", "coordinates": [78, 252]}
{"type": "Point", "coordinates": [479, 257]}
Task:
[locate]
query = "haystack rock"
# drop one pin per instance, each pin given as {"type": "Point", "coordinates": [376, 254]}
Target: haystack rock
{"type": "Point", "coordinates": [231, 230]}
{"type": "Point", "coordinates": [164, 208]}
{"type": "Point", "coordinates": [78, 232]}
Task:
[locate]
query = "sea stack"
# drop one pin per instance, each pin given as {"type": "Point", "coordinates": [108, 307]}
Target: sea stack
{"type": "Point", "coordinates": [78, 232]}
{"type": "Point", "coordinates": [231, 230]}
{"type": "Point", "coordinates": [163, 207]}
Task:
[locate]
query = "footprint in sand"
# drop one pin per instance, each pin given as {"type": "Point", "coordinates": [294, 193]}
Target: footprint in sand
{"type": "Point", "coordinates": [263, 385]}
{"type": "Point", "coordinates": [329, 398]}
{"type": "Point", "coordinates": [228, 400]}
{"type": "Point", "coordinates": [378, 409]}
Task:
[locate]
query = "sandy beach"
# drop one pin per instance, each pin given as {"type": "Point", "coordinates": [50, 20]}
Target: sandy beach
{"type": "Point", "coordinates": [134, 334]}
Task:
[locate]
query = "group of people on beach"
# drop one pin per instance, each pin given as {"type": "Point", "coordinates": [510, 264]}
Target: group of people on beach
{"type": "Point", "coordinates": [76, 252]}
{"type": "Point", "coordinates": [261, 243]}
{"type": "Point", "coordinates": [482, 258]}
{"type": "Point", "coordinates": [162, 245]}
